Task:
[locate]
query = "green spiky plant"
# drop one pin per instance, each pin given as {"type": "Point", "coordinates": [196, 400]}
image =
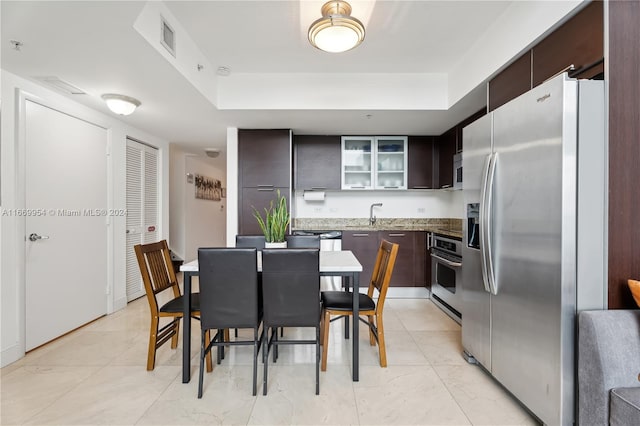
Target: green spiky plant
{"type": "Point", "coordinates": [274, 224]}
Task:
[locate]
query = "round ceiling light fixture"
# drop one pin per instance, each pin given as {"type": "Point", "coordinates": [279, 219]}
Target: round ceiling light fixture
{"type": "Point", "coordinates": [337, 31]}
{"type": "Point", "coordinates": [212, 152]}
{"type": "Point", "coordinates": [121, 104]}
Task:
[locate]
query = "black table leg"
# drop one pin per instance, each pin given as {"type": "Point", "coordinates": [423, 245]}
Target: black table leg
{"type": "Point", "coordinates": [186, 332]}
{"type": "Point", "coordinates": [345, 284]}
{"type": "Point", "coordinates": [356, 325]}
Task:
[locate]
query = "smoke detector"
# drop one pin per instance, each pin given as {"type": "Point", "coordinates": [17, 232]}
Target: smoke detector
{"type": "Point", "coordinates": [212, 152]}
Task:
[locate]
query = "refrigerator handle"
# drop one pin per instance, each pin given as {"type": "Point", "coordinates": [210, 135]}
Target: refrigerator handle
{"type": "Point", "coordinates": [484, 223]}
{"type": "Point", "coordinates": [491, 177]}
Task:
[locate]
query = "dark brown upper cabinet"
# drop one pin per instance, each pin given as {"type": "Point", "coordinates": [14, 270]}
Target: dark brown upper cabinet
{"type": "Point", "coordinates": [264, 158]}
{"type": "Point", "coordinates": [316, 162]}
{"type": "Point", "coordinates": [512, 82]}
{"type": "Point", "coordinates": [446, 147]}
{"type": "Point", "coordinates": [422, 170]}
{"type": "Point", "coordinates": [579, 42]}
{"type": "Point", "coordinates": [264, 167]}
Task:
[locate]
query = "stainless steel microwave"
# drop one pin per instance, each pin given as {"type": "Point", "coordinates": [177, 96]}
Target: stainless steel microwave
{"type": "Point", "coordinates": [457, 171]}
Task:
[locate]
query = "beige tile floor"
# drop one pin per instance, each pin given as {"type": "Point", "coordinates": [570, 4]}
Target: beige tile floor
{"type": "Point", "coordinates": [96, 375]}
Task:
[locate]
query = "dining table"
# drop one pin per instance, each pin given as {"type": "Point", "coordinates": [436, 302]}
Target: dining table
{"type": "Point", "coordinates": [332, 263]}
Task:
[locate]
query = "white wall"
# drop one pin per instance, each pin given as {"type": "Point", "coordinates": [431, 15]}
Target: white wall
{"type": "Point", "coordinates": [194, 222]}
{"type": "Point", "coordinates": [396, 204]}
{"type": "Point", "coordinates": [12, 245]}
{"type": "Point", "coordinates": [232, 185]}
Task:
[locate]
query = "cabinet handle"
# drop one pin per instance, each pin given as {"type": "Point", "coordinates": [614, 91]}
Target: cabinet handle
{"type": "Point", "coordinates": [318, 188]}
{"type": "Point", "coordinates": [445, 186]}
{"type": "Point", "coordinates": [356, 187]}
{"type": "Point", "coordinates": [266, 189]}
{"type": "Point", "coordinates": [360, 235]}
{"type": "Point", "coordinates": [391, 187]}
{"type": "Point", "coordinates": [397, 235]}
{"type": "Point", "coordinates": [420, 187]}
{"type": "Point", "coordinates": [265, 186]}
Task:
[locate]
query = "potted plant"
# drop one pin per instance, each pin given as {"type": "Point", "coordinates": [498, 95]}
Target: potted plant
{"type": "Point", "coordinates": [274, 224]}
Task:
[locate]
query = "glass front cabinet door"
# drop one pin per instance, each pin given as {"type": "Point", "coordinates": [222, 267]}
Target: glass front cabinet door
{"type": "Point", "coordinates": [391, 162]}
{"type": "Point", "coordinates": [374, 162]}
{"type": "Point", "coordinates": [357, 162]}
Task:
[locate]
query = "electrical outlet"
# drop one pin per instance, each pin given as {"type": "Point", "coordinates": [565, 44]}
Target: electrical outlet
{"type": "Point", "coordinates": [317, 209]}
{"type": "Point", "coordinates": [421, 210]}
{"type": "Point", "coordinates": [333, 210]}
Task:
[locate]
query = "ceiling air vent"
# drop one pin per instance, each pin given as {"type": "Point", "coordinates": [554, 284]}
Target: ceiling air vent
{"type": "Point", "coordinates": [168, 37]}
{"type": "Point", "coordinates": [61, 85]}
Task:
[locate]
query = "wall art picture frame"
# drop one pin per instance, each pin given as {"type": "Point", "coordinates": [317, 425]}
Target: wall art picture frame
{"type": "Point", "coordinates": [208, 188]}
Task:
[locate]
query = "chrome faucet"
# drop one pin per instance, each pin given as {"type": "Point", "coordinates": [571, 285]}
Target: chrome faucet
{"type": "Point", "coordinates": [372, 218]}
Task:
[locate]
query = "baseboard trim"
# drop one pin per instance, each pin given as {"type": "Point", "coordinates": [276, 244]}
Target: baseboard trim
{"type": "Point", "coordinates": [119, 304]}
{"type": "Point", "coordinates": [11, 355]}
{"type": "Point", "coordinates": [408, 293]}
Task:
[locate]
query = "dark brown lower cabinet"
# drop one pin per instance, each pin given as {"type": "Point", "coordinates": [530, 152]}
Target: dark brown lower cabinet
{"type": "Point", "coordinates": [422, 261]}
{"type": "Point", "coordinates": [410, 268]}
{"type": "Point", "coordinates": [403, 272]}
{"type": "Point", "coordinates": [364, 244]}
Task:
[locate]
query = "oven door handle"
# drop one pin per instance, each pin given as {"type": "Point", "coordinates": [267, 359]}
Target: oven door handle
{"type": "Point", "coordinates": [446, 261]}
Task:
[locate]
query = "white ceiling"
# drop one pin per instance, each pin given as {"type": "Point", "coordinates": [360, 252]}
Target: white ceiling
{"type": "Point", "coordinates": [94, 46]}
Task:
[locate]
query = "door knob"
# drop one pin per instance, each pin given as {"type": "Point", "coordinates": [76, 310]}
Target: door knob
{"type": "Point", "coordinates": [36, 237]}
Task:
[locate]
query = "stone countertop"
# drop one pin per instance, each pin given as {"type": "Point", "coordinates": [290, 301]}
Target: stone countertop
{"type": "Point", "coordinates": [449, 227]}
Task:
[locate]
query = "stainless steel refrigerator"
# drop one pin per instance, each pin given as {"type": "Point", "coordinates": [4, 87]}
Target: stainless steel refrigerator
{"type": "Point", "coordinates": [534, 239]}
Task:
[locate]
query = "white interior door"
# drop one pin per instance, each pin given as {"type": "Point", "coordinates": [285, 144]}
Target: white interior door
{"type": "Point", "coordinates": [142, 208]}
{"type": "Point", "coordinates": [66, 202]}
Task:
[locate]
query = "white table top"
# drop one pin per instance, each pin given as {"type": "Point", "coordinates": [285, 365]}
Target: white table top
{"type": "Point", "coordinates": [330, 261]}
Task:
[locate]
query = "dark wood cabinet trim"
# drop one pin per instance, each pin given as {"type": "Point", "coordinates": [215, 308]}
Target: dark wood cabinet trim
{"type": "Point", "coordinates": [512, 82]}
{"type": "Point", "coordinates": [624, 150]}
{"type": "Point", "coordinates": [578, 42]}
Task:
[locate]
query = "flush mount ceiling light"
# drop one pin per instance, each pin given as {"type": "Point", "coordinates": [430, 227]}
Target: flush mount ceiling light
{"type": "Point", "coordinates": [337, 31]}
{"type": "Point", "coordinates": [121, 104]}
{"type": "Point", "coordinates": [212, 152]}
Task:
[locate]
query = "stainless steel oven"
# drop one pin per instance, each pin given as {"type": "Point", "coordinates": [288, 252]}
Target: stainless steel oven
{"type": "Point", "coordinates": [446, 266]}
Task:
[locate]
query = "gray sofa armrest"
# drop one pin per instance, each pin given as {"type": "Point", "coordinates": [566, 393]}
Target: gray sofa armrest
{"type": "Point", "coordinates": [608, 357]}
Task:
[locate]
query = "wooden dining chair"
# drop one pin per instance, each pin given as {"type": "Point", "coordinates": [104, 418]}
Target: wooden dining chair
{"type": "Point", "coordinates": [341, 303]}
{"type": "Point", "coordinates": [159, 279]}
{"type": "Point", "coordinates": [291, 286]}
{"type": "Point", "coordinates": [230, 297]}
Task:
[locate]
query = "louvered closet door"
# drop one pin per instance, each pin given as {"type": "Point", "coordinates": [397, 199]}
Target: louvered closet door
{"type": "Point", "coordinates": [142, 208]}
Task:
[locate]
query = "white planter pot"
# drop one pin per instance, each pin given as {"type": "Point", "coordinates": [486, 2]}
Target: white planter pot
{"type": "Point", "coordinates": [282, 244]}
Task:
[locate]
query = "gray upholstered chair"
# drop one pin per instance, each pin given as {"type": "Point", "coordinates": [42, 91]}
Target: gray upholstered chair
{"type": "Point", "coordinates": [609, 368]}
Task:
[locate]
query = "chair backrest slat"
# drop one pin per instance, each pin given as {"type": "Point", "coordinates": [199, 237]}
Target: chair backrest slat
{"type": "Point", "coordinates": [382, 271]}
{"type": "Point", "coordinates": [160, 279]}
{"type": "Point", "coordinates": [154, 261]}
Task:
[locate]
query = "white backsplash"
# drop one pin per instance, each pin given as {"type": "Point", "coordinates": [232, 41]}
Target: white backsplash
{"type": "Point", "coordinates": [396, 204]}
